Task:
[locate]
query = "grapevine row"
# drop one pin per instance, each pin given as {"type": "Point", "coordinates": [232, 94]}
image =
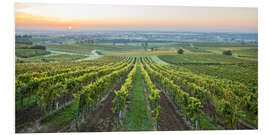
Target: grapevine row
{"type": "Point", "coordinates": [50, 93]}
{"type": "Point", "coordinates": [88, 97]}
{"type": "Point", "coordinates": [153, 96]}
{"type": "Point", "coordinates": [49, 89]}
{"type": "Point", "coordinates": [121, 95]}
{"type": "Point", "coordinates": [189, 105]}
{"type": "Point", "coordinates": [229, 104]}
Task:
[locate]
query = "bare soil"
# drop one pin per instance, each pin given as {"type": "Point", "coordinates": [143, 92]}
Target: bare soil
{"type": "Point", "coordinates": [170, 119]}
{"type": "Point", "coordinates": [102, 119]}
{"type": "Point", "coordinates": [26, 117]}
{"type": "Point", "coordinates": [243, 125]}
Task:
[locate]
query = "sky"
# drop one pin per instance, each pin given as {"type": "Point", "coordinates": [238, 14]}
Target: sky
{"type": "Point", "coordinates": [115, 17]}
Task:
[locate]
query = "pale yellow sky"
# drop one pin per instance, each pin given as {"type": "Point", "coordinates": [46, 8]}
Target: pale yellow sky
{"type": "Point", "coordinates": [62, 16]}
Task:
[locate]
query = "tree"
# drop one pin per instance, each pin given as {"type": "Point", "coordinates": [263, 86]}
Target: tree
{"type": "Point", "coordinates": [228, 52]}
{"type": "Point", "coordinates": [92, 42]}
{"type": "Point", "coordinates": [180, 51]}
{"type": "Point", "coordinates": [144, 45]}
{"type": "Point", "coordinates": [38, 47]}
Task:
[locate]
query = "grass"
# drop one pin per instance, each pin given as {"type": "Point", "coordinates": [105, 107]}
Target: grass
{"type": "Point", "coordinates": [62, 117]}
{"type": "Point", "coordinates": [208, 123]}
{"type": "Point", "coordinates": [251, 119]}
{"type": "Point", "coordinates": [221, 66]}
{"type": "Point", "coordinates": [51, 58]}
{"type": "Point", "coordinates": [27, 102]}
{"type": "Point", "coordinates": [26, 53]}
{"type": "Point", "coordinates": [245, 73]}
{"type": "Point", "coordinates": [232, 68]}
{"type": "Point", "coordinates": [64, 58]}
{"type": "Point", "coordinates": [69, 52]}
{"type": "Point", "coordinates": [139, 53]}
{"type": "Point", "coordinates": [90, 57]}
{"type": "Point", "coordinates": [210, 44]}
{"type": "Point", "coordinates": [137, 118]}
{"type": "Point", "coordinates": [158, 61]}
{"type": "Point", "coordinates": [200, 58]}
{"type": "Point", "coordinates": [245, 53]}
{"type": "Point", "coordinates": [196, 49]}
{"type": "Point", "coordinates": [86, 48]}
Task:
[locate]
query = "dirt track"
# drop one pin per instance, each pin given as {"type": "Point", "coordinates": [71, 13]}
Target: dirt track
{"type": "Point", "coordinates": [26, 116]}
{"type": "Point", "coordinates": [170, 119]}
{"type": "Point", "coordinates": [101, 119]}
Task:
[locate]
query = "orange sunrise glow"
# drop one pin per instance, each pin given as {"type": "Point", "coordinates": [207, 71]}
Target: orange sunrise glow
{"type": "Point", "coordinates": [45, 16]}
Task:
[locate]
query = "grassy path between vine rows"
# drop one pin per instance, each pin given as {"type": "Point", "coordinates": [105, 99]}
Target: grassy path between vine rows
{"type": "Point", "coordinates": [137, 117]}
{"type": "Point", "coordinates": [156, 59]}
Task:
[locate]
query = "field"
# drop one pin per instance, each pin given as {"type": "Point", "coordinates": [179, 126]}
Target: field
{"type": "Point", "coordinates": [26, 53]}
{"type": "Point", "coordinates": [93, 88]}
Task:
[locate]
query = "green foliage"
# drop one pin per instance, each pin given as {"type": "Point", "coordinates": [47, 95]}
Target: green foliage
{"type": "Point", "coordinates": [196, 49]}
{"type": "Point", "coordinates": [40, 47]}
{"type": "Point", "coordinates": [235, 96]}
{"type": "Point", "coordinates": [227, 52]}
{"type": "Point", "coordinates": [153, 95]}
{"type": "Point", "coordinates": [180, 51]}
{"type": "Point", "coordinates": [246, 74]}
{"type": "Point", "coordinates": [23, 39]}
{"type": "Point", "coordinates": [94, 91]}
{"type": "Point", "coordinates": [26, 53]}
{"type": "Point", "coordinates": [61, 117]}
{"type": "Point", "coordinates": [50, 86]}
{"type": "Point", "coordinates": [137, 116]}
{"type": "Point", "coordinates": [99, 53]}
{"type": "Point", "coordinates": [181, 98]}
{"type": "Point", "coordinates": [194, 108]}
{"type": "Point", "coordinates": [228, 83]}
{"type": "Point", "coordinates": [122, 94]}
{"type": "Point", "coordinates": [199, 59]}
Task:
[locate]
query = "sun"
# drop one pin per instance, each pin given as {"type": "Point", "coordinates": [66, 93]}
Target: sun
{"type": "Point", "coordinates": [69, 27]}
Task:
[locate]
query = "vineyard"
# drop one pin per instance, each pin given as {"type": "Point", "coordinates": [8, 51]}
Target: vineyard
{"type": "Point", "coordinates": [125, 68]}
{"type": "Point", "coordinates": [129, 93]}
